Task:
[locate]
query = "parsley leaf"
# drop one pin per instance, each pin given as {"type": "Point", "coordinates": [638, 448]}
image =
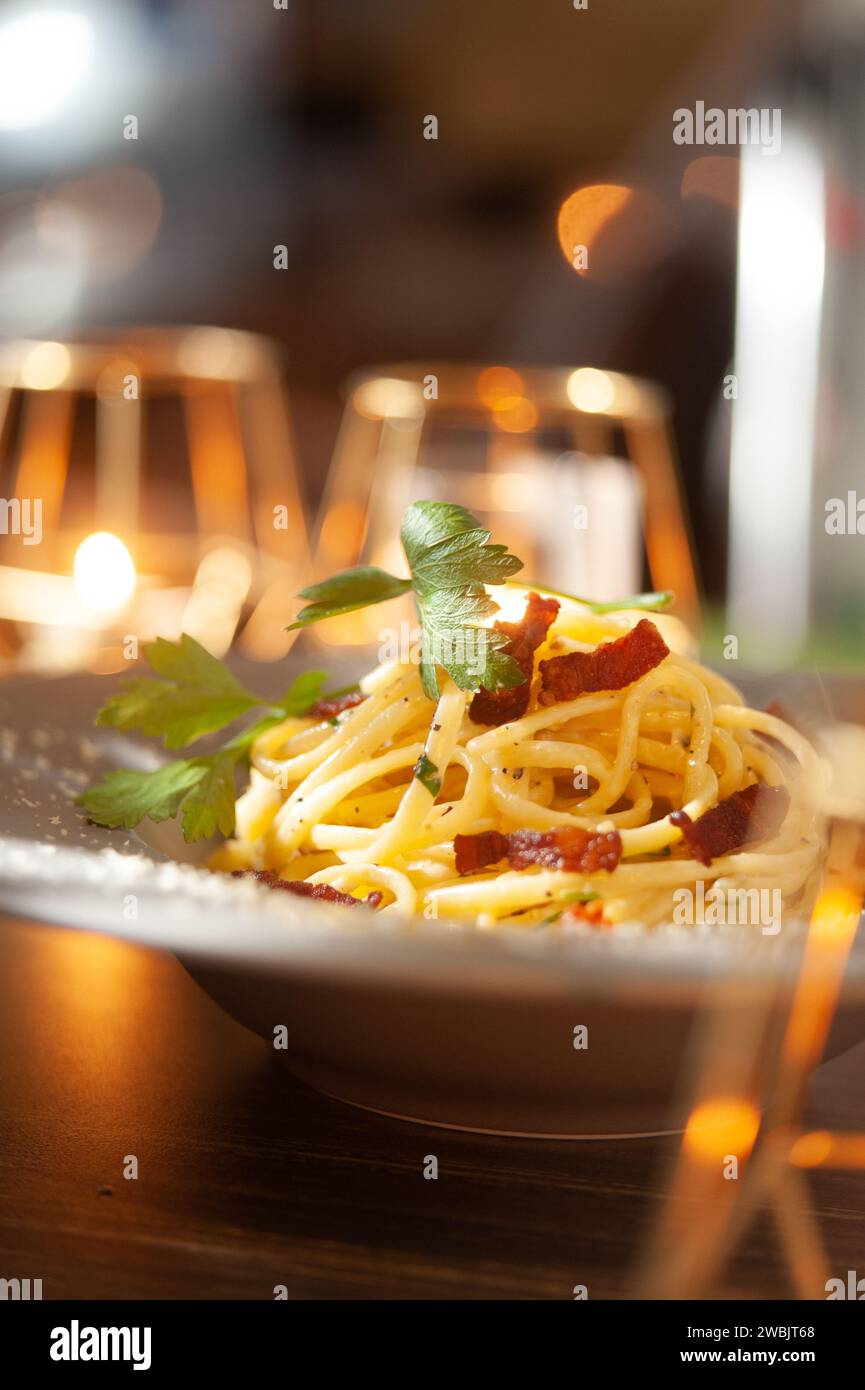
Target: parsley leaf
{"type": "Point", "coordinates": [124, 798]}
{"type": "Point", "coordinates": [427, 774]}
{"type": "Point", "coordinates": [648, 603]}
{"type": "Point", "coordinates": [209, 804]}
{"type": "Point", "coordinates": [451, 561]}
{"type": "Point", "coordinates": [346, 592]}
{"type": "Point", "coordinates": [654, 602]}
{"type": "Point", "coordinates": [450, 637]}
{"type": "Point", "coordinates": [199, 696]}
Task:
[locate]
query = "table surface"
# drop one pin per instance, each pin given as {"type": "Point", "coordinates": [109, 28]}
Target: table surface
{"type": "Point", "coordinates": [247, 1179]}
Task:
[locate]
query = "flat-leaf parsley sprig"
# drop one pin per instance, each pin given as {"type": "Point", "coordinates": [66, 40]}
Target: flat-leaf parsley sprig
{"type": "Point", "coordinates": [451, 560]}
{"type": "Point", "coordinates": [191, 693]}
{"type": "Point", "coordinates": [196, 695]}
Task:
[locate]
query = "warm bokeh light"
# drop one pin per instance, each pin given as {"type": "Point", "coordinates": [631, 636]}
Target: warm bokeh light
{"type": "Point", "coordinates": [209, 352]}
{"type": "Point", "coordinates": [590, 390]}
{"type": "Point", "coordinates": [811, 1150]}
{"type": "Point", "coordinates": [607, 230]}
{"type": "Point", "coordinates": [821, 1149]}
{"type": "Point", "coordinates": [389, 397]}
{"type": "Point", "coordinates": [515, 414]}
{"type": "Point", "coordinates": [833, 926]}
{"type": "Point", "coordinates": [723, 1126]}
{"type": "Point", "coordinates": [714, 177]}
{"type": "Point", "coordinates": [584, 215]}
{"type": "Point", "coordinates": [496, 383]}
{"type": "Point", "coordinates": [510, 600]}
{"type": "Point", "coordinates": [836, 916]}
{"type": "Point", "coordinates": [45, 367]}
{"type": "Point", "coordinates": [113, 379]}
{"type": "Point", "coordinates": [104, 572]}
{"type": "Point", "coordinates": [45, 58]}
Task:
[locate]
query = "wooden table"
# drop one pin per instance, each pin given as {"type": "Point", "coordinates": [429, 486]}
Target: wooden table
{"type": "Point", "coordinates": [248, 1180]}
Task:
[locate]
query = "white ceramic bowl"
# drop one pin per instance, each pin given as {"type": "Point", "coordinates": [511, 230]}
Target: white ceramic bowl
{"type": "Point", "coordinates": [428, 1021]}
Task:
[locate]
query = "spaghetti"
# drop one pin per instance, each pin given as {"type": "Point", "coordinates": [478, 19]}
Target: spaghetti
{"type": "Point", "coordinates": [371, 798]}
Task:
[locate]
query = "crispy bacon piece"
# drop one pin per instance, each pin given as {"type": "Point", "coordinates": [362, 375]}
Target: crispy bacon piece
{"type": "Point", "coordinates": [475, 852]}
{"type": "Point", "coordinates": [302, 889]}
{"type": "Point", "coordinates": [569, 847]}
{"type": "Point", "coordinates": [754, 813]}
{"type": "Point", "coordinates": [611, 666]}
{"type": "Point", "coordinates": [524, 638]}
{"type": "Point", "coordinates": [329, 709]}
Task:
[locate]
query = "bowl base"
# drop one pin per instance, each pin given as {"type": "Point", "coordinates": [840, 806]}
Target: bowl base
{"type": "Point", "coordinates": [500, 1133]}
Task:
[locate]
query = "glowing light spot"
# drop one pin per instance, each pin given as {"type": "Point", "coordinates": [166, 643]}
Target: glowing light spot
{"type": "Point", "coordinates": [104, 572]}
{"type": "Point", "coordinates": [811, 1150]}
{"type": "Point", "coordinates": [45, 59]}
{"type": "Point", "coordinates": [583, 216]}
{"type": "Point", "coordinates": [723, 1126]}
{"type": "Point", "coordinates": [590, 390]}
{"type": "Point", "coordinates": [45, 366]}
{"type": "Point", "coordinates": [114, 380]}
{"type": "Point", "coordinates": [209, 353]}
{"type": "Point", "coordinates": [389, 398]}
{"type": "Point", "coordinates": [607, 230]}
{"type": "Point", "coordinates": [835, 917]}
{"type": "Point", "coordinates": [824, 1150]}
{"type": "Point", "coordinates": [496, 383]}
{"type": "Point", "coordinates": [511, 602]}
{"type": "Point", "coordinates": [515, 414]}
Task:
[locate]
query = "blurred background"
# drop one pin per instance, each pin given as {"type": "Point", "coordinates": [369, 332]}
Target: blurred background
{"type": "Point", "coordinates": [387, 182]}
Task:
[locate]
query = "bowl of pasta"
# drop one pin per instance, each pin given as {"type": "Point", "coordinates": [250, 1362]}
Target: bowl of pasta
{"type": "Point", "coordinates": [495, 883]}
